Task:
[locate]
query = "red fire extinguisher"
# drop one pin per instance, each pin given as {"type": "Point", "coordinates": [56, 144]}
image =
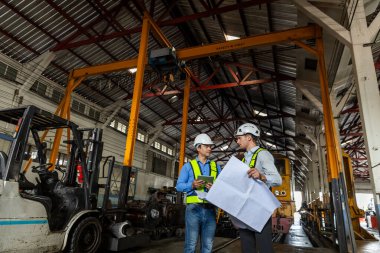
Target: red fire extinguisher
{"type": "Point", "coordinates": [80, 173]}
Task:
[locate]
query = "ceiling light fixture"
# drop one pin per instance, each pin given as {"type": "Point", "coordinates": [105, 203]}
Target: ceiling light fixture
{"type": "Point", "coordinates": [258, 113]}
{"type": "Point", "coordinates": [132, 70]}
{"type": "Point", "coordinates": [173, 99]}
{"type": "Point", "coordinates": [224, 148]}
{"type": "Point", "coordinates": [231, 37]}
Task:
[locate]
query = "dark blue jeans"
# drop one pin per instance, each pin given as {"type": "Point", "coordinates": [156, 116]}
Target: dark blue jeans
{"type": "Point", "coordinates": [201, 222]}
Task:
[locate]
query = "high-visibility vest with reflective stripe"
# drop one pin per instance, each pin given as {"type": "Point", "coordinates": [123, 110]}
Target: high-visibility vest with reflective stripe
{"type": "Point", "coordinates": [252, 163]}
{"type": "Point", "coordinates": [197, 172]}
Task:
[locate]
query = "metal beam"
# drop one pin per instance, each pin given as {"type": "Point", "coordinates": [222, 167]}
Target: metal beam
{"type": "Point", "coordinates": [207, 121]}
{"type": "Point", "coordinates": [208, 87]}
{"type": "Point", "coordinates": [304, 151]}
{"type": "Point", "coordinates": [342, 103]}
{"type": "Point", "coordinates": [156, 131]}
{"type": "Point", "coordinates": [313, 99]}
{"type": "Point", "coordinates": [308, 134]}
{"type": "Point", "coordinates": [326, 22]}
{"type": "Point", "coordinates": [33, 69]}
{"type": "Point", "coordinates": [303, 33]}
{"type": "Point", "coordinates": [137, 90]}
{"type": "Point", "coordinates": [185, 109]}
{"type": "Point", "coordinates": [137, 29]}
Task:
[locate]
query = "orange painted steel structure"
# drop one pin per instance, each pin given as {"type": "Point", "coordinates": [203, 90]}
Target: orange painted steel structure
{"type": "Point", "coordinates": [185, 109]}
{"type": "Point", "coordinates": [302, 33]}
{"type": "Point", "coordinates": [295, 36]}
{"type": "Point", "coordinates": [77, 75]}
{"type": "Point", "coordinates": [334, 156]}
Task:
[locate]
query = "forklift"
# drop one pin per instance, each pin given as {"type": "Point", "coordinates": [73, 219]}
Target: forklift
{"type": "Point", "coordinates": [54, 214]}
{"type": "Point", "coordinates": [68, 211]}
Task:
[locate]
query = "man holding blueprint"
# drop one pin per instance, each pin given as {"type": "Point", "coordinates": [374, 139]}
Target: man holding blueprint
{"type": "Point", "coordinates": [196, 178]}
{"type": "Point", "coordinates": [242, 190]}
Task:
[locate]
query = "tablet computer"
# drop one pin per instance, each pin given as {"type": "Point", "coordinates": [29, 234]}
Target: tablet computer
{"type": "Point", "coordinates": [206, 179]}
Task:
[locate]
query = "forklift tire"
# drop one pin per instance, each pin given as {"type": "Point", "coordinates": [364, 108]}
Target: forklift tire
{"type": "Point", "coordinates": [86, 237]}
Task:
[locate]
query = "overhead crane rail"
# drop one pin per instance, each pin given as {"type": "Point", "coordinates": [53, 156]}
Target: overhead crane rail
{"type": "Point", "coordinates": [186, 54]}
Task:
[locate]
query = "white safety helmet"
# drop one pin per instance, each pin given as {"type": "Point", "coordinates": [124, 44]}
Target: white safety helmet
{"type": "Point", "coordinates": [248, 128]}
{"type": "Point", "coordinates": [203, 139]}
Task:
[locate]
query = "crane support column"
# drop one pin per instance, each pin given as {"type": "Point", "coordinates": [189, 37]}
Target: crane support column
{"type": "Point", "coordinates": [346, 237]}
{"type": "Point", "coordinates": [63, 112]}
{"type": "Point", "coordinates": [134, 114]}
{"type": "Point", "coordinates": [185, 109]}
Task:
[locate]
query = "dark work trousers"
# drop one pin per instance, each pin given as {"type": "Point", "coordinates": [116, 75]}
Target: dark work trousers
{"type": "Point", "coordinates": [251, 239]}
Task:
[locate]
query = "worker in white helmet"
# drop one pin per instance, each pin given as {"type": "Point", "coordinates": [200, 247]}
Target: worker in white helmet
{"type": "Point", "coordinates": [200, 215]}
{"type": "Point", "coordinates": [262, 167]}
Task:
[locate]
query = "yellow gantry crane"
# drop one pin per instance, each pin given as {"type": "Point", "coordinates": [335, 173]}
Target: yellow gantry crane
{"type": "Point", "coordinates": [294, 36]}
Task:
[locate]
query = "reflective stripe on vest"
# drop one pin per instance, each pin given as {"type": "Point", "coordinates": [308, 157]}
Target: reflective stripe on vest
{"type": "Point", "coordinates": [197, 172]}
{"type": "Point", "coordinates": [252, 164]}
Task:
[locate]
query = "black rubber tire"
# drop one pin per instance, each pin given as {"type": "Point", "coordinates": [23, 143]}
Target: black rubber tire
{"type": "Point", "coordinates": [86, 236]}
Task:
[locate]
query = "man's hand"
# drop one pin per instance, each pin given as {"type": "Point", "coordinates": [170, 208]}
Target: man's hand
{"type": "Point", "coordinates": [197, 184]}
{"type": "Point", "coordinates": [208, 186]}
{"type": "Point", "coordinates": [254, 173]}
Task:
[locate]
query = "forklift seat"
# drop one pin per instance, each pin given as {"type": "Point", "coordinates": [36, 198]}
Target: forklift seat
{"type": "Point", "coordinates": [3, 163]}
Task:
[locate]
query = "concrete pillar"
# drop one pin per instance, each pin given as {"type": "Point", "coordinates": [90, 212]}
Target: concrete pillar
{"type": "Point", "coordinates": [367, 92]}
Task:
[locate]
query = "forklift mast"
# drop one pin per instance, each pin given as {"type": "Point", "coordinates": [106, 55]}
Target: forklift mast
{"type": "Point", "coordinates": [94, 151]}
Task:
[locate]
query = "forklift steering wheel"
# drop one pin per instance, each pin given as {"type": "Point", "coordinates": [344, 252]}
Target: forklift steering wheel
{"type": "Point", "coordinates": [60, 169]}
{"type": "Point", "coordinates": [38, 168]}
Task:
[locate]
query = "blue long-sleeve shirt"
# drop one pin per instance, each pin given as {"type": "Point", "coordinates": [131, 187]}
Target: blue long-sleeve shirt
{"type": "Point", "coordinates": [186, 176]}
{"type": "Point", "coordinates": [265, 165]}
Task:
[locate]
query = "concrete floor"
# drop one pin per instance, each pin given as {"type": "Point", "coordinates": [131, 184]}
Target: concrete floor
{"type": "Point", "coordinates": [173, 246]}
{"type": "Point", "coordinates": [369, 246]}
{"type": "Point", "coordinates": [295, 242]}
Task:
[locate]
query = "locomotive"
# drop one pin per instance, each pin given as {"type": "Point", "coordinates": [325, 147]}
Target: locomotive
{"type": "Point", "coordinates": [282, 218]}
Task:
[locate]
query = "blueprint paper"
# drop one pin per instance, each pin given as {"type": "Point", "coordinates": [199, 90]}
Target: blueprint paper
{"type": "Point", "coordinates": [250, 201]}
{"type": "Point", "coordinates": [201, 194]}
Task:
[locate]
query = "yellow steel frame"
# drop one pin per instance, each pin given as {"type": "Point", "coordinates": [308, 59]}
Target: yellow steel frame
{"type": "Point", "coordinates": [296, 34]}
{"type": "Point", "coordinates": [334, 152]}
{"type": "Point", "coordinates": [64, 112]}
{"type": "Point", "coordinates": [185, 109]}
{"type": "Point", "coordinates": [293, 35]}
{"type": "Point", "coordinates": [137, 91]}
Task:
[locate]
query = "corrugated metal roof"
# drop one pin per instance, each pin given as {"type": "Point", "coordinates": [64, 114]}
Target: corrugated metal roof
{"type": "Point", "coordinates": [30, 28]}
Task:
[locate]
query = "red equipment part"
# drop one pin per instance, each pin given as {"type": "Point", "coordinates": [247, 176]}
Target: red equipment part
{"type": "Point", "coordinates": [80, 173]}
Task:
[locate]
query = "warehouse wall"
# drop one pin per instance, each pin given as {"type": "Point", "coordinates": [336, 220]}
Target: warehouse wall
{"type": "Point", "coordinates": [114, 141]}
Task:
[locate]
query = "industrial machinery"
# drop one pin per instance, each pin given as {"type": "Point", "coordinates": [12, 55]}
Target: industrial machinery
{"type": "Point", "coordinates": [318, 217]}
{"type": "Point", "coordinates": [282, 218]}
{"type": "Point", "coordinates": [55, 213]}
{"type": "Point", "coordinates": [355, 211]}
{"type": "Point", "coordinates": [164, 61]}
{"type": "Point", "coordinates": [119, 233]}
{"type": "Point", "coordinates": [162, 215]}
